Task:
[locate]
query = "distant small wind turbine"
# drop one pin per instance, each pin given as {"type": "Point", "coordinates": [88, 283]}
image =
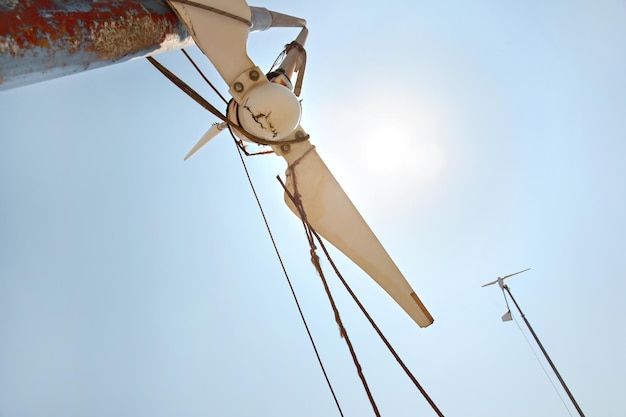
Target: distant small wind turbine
{"type": "Point", "coordinates": [508, 317]}
{"type": "Point", "coordinates": [500, 281]}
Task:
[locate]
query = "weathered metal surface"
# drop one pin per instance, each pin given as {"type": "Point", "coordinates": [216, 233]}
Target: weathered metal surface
{"type": "Point", "coordinates": [44, 39]}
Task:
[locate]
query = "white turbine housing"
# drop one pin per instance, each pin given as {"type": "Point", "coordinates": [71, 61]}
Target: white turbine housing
{"type": "Point", "coordinates": [269, 111]}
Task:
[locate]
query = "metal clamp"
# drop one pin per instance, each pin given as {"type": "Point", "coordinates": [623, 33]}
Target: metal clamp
{"type": "Point", "coordinates": [245, 82]}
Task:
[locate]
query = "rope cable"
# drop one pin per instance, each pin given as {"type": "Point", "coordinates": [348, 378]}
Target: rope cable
{"type": "Point", "coordinates": [545, 371]}
{"type": "Point", "coordinates": [300, 68]}
{"type": "Point", "coordinates": [312, 232]}
{"type": "Point", "coordinates": [208, 106]}
{"type": "Point", "coordinates": [291, 288]}
{"type": "Point", "coordinates": [309, 231]}
{"type": "Point", "coordinates": [377, 329]}
{"type": "Point", "coordinates": [187, 89]}
{"type": "Point", "coordinates": [204, 76]}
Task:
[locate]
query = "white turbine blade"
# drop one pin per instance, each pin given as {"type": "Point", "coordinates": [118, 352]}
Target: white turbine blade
{"type": "Point", "coordinates": [221, 37]}
{"type": "Point", "coordinates": [490, 283]}
{"type": "Point", "coordinates": [503, 278]}
{"type": "Point", "coordinates": [331, 213]}
{"type": "Point", "coordinates": [510, 275]}
{"type": "Point", "coordinates": [213, 131]}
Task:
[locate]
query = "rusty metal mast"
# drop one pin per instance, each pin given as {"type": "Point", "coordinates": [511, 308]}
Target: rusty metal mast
{"type": "Point", "coordinates": [45, 39]}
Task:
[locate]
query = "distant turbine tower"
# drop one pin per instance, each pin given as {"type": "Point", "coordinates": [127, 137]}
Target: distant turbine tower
{"type": "Point", "coordinates": [507, 317]}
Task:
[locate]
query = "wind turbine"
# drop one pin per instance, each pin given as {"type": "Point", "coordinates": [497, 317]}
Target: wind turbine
{"type": "Point", "coordinates": [500, 281]}
{"type": "Point", "coordinates": [507, 317]}
{"type": "Point", "coordinates": [265, 109]}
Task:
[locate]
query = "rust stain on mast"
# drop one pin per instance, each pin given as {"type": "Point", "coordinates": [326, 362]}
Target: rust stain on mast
{"type": "Point", "coordinates": [45, 39]}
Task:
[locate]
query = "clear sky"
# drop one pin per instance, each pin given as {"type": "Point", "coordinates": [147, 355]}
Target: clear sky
{"type": "Point", "coordinates": [477, 138]}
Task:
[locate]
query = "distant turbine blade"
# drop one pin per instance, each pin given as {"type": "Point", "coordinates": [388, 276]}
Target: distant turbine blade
{"type": "Point", "coordinates": [213, 131]}
{"type": "Point", "coordinates": [504, 277]}
{"type": "Point", "coordinates": [331, 213]}
{"type": "Point", "coordinates": [510, 275]}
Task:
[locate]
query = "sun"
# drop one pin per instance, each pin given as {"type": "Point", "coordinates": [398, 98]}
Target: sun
{"type": "Point", "coordinates": [382, 147]}
{"type": "Point", "coordinates": [409, 157]}
{"type": "Point", "coordinates": [404, 145]}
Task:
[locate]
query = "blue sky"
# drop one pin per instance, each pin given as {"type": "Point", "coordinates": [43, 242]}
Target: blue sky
{"type": "Point", "coordinates": [477, 140]}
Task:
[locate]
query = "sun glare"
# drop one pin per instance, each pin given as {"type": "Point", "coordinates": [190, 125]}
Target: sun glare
{"type": "Point", "coordinates": [403, 156]}
{"type": "Point", "coordinates": [403, 145]}
{"type": "Point", "coordinates": [384, 147]}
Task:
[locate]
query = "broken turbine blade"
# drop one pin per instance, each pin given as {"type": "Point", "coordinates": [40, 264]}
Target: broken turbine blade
{"type": "Point", "coordinates": [213, 131]}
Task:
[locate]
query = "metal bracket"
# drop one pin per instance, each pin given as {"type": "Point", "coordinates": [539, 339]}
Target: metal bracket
{"type": "Point", "coordinates": [295, 137]}
{"type": "Point", "coordinates": [245, 82]}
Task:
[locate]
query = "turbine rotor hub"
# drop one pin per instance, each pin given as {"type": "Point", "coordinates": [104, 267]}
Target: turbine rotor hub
{"type": "Point", "coordinates": [269, 111]}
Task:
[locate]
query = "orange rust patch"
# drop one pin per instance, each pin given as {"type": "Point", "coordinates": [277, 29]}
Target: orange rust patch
{"type": "Point", "coordinates": [110, 29]}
